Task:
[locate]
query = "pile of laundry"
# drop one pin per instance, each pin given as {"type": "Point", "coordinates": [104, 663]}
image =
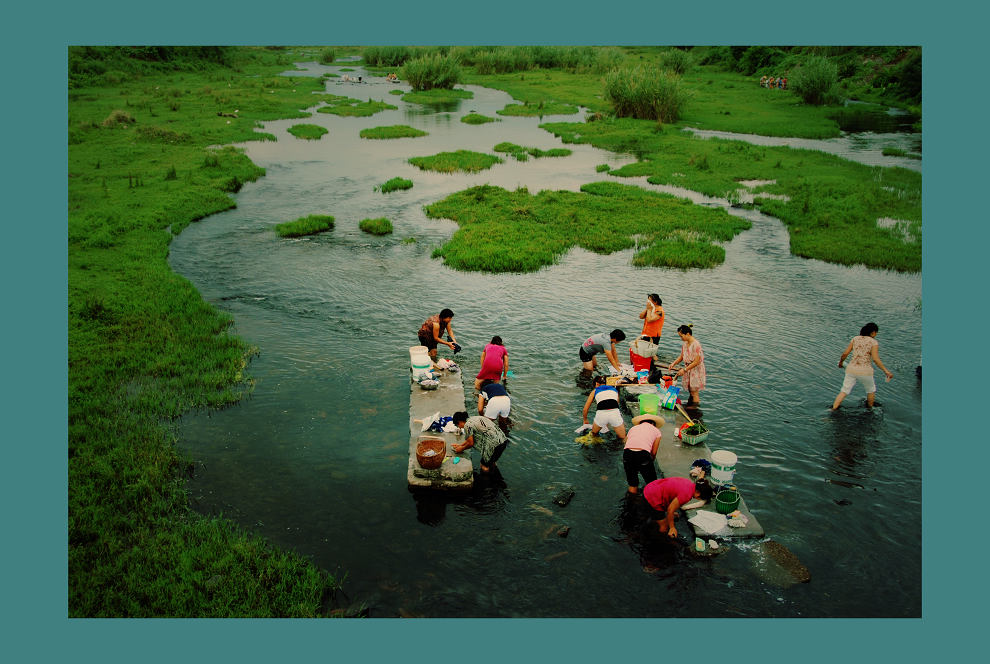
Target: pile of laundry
{"type": "Point", "coordinates": [438, 424]}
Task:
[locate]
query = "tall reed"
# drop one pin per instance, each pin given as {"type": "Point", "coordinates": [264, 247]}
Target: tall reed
{"type": "Point", "coordinates": [432, 71]}
{"type": "Point", "coordinates": [646, 93]}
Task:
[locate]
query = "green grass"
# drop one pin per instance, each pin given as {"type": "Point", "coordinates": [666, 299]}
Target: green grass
{"type": "Point", "coordinates": [537, 109]}
{"type": "Point", "coordinates": [647, 93]}
{"type": "Point", "coordinates": [431, 71]}
{"type": "Point", "coordinates": [307, 131]}
{"type": "Point", "coordinates": [395, 92]}
{"type": "Point", "coordinates": [348, 107]}
{"type": "Point", "coordinates": [395, 184]}
{"type": "Point", "coordinates": [521, 153]}
{"type": "Point", "coordinates": [898, 152]}
{"type": "Point", "coordinates": [393, 131]}
{"type": "Point", "coordinates": [503, 231]}
{"type": "Point", "coordinates": [460, 160]}
{"type": "Point", "coordinates": [833, 203]}
{"type": "Point", "coordinates": [143, 346]}
{"type": "Point", "coordinates": [309, 225]}
{"type": "Point", "coordinates": [602, 168]}
{"type": "Point", "coordinates": [379, 226]}
{"type": "Point", "coordinates": [476, 118]}
{"type": "Point", "coordinates": [436, 96]}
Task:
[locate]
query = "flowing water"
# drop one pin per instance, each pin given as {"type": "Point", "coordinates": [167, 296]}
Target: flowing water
{"type": "Point", "coordinates": [315, 459]}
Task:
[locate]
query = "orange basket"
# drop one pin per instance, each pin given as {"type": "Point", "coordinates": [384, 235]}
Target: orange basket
{"type": "Point", "coordinates": [430, 452]}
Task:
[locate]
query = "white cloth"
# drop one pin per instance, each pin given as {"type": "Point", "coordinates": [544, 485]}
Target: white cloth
{"type": "Point", "coordinates": [430, 419]}
{"type": "Point", "coordinates": [710, 522]}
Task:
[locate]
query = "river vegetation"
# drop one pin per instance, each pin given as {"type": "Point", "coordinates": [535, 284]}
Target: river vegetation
{"type": "Point", "coordinates": [394, 184]}
{"type": "Point", "coordinates": [430, 72]}
{"type": "Point", "coordinates": [348, 107]}
{"type": "Point", "coordinates": [466, 161]}
{"type": "Point", "coordinates": [392, 131]}
{"type": "Point", "coordinates": [308, 131]}
{"type": "Point", "coordinates": [538, 109]}
{"type": "Point", "coordinates": [830, 205]}
{"type": "Point", "coordinates": [522, 153]}
{"type": "Point", "coordinates": [477, 118]}
{"type": "Point", "coordinates": [515, 231]}
{"type": "Point", "coordinates": [308, 225]}
{"type": "Point", "coordinates": [378, 226]}
{"type": "Point", "coordinates": [437, 96]}
{"type": "Point", "coordinates": [143, 346]}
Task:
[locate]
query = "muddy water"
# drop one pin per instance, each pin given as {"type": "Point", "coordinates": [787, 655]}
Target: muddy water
{"type": "Point", "coordinates": [316, 458]}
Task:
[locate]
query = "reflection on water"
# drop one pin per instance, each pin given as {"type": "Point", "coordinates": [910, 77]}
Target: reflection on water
{"type": "Point", "coordinates": [316, 458]}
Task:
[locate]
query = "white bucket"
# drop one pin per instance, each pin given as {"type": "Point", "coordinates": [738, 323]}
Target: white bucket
{"type": "Point", "coordinates": [419, 361]}
{"type": "Point", "coordinates": [723, 467]}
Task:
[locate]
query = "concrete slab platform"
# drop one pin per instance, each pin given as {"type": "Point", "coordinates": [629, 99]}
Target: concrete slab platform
{"type": "Point", "coordinates": [446, 399]}
{"type": "Point", "coordinates": [674, 459]}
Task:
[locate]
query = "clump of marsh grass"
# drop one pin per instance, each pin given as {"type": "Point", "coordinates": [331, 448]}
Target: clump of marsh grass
{"type": "Point", "coordinates": [393, 131]}
{"type": "Point", "coordinates": [395, 184]}
{"type": "Point", "coordinates": [432, 71]}
{"type": "Point", "coordinates": [314, 223]}
{"type": "Point", "coordinates": [522, 153]}
{"type": "Point", "coordinates": [308, 131]}
{"type": "Point", "coordinates": [476, 118]}
{"type": "Point", "coordinates": [646, 93]}
{"type": "Point", "coordinates": [815, 81]}
{"type": "Point", "coordinates": [386, 56]}
{"type": "Point", "coordinates": [602, 168]}
{"type": "Point", "coordinates": [460, 160]}
{"type": "Point", "coordinates": [379, 226]}
{"type": "Point", "coordinates": [328, 56]}
{"type": "Point", "coordinates": [677, 61]}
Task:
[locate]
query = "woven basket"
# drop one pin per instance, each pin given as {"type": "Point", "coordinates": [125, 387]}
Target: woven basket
{"type": "Point", "coordinates": [430, 461]}
{"type": "Point", "coordinates": [695, 438]}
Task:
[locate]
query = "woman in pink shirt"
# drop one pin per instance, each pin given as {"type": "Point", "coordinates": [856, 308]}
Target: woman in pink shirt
{"type": "Point", "coordinates": [494, 363]}
{"type": "Point", "coordinates": [668, 494]}
{"type": "Point", "coordinates": [642, 442]}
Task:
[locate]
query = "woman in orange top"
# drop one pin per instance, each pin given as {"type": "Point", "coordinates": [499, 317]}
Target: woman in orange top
{"type": "Point", "coordinates": [652, 317]}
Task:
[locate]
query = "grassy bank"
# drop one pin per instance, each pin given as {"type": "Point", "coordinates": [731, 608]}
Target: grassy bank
{"type": "Point", "coordinates": [515, 231]}
{"type": "Point", "coordinates": [144, 347]}
{"type": "Point", "coordinates": [832, 205]}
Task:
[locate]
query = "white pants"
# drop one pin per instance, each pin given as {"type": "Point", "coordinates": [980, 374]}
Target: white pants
{"type": "Point", "coordinates": [497, 406]}
{"type": "Point", "coordinates": [866, 380]}
{"type": "Point", "coordinates": [609, 417]}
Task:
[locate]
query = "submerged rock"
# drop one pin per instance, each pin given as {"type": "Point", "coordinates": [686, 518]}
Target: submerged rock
{"type": "Point", "coordinates": [783, 557]}
{"type": "Point", "coordinates": [564, 497]}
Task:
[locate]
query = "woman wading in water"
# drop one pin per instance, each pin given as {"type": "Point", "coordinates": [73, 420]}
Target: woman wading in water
{"type": "Point", "coordinates": [864, 349]}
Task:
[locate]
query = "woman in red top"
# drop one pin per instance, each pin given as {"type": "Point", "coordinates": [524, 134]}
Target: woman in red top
{"type": "Point", "coordinates": [652, 317]}
{"type": "Point", "coordinates": [494, 363]}
{"type": "Point", "coordinates": [669, 494]}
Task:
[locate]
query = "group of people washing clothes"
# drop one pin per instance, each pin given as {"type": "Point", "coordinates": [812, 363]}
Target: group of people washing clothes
{"type": "Point", "coordinates": [488, 429]}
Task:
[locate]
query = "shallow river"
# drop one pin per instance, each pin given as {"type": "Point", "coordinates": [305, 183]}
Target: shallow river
{"type": "Point", "coordinates": [316, 458]}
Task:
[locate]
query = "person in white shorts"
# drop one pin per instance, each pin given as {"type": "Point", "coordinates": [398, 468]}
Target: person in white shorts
{"type": "Point", "coordinates": [607, 413]}
{"type": "Point", "coordinates": [494, 402]}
